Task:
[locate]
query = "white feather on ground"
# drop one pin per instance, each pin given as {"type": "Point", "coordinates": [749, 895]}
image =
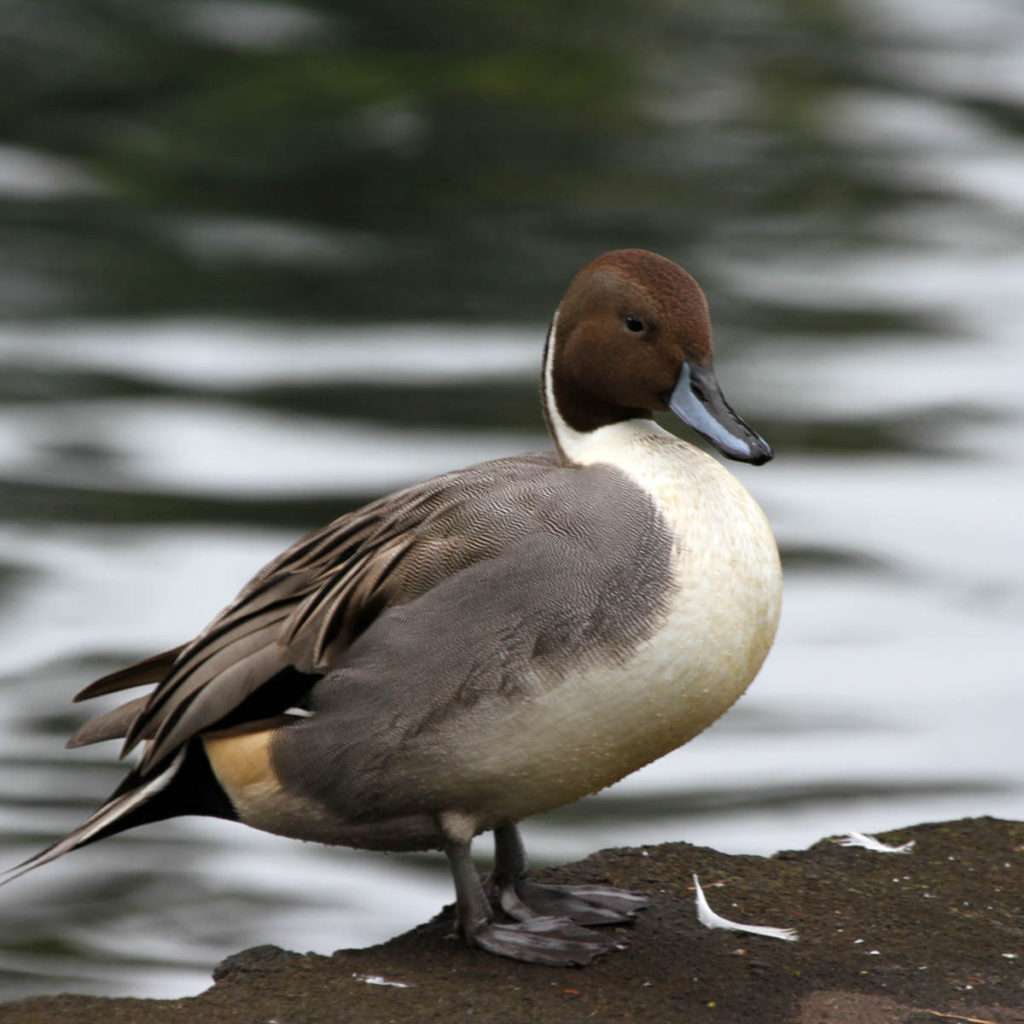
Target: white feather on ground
{"type": "Point", "coordinates": [873, 844]}
{"type": "Point", "coordinates": [710, 919]}
{"type": "Point", "coordinates": [376, 979]}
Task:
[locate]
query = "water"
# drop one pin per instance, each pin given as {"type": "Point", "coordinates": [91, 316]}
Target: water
{"type": "Point", "coordinates": [861, 246]}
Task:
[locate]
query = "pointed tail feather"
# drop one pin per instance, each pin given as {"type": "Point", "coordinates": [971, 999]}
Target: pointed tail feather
{"type": "Point", "coordinates": [104, 822]}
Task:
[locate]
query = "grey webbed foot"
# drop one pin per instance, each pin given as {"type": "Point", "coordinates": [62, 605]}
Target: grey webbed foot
{"type": "Point", "coordinates": [583, 904]}
{"type": "Point", "coordinates": [509, 890]}
{"type": "Point", "coordinates": [535, 938]}
{"type": "Point", "coordinates": [553, 941]}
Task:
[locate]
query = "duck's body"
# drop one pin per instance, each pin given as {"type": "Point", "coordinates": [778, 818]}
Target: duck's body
{"type": "Point", "coordinates": [630, 616]}
{"type": "Point", "coordinates": [489, 644]}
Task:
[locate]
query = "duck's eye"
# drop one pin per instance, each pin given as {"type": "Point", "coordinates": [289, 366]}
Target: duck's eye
{"type": "Point", "coordinates": [634, 323]}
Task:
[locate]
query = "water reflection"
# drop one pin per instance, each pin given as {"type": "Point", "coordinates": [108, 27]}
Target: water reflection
{"type": "Point", "coordinates": [263, 261]}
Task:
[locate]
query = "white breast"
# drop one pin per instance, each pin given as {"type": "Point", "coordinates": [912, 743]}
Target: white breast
{"type": "Point", "coordinates": [601, 724]}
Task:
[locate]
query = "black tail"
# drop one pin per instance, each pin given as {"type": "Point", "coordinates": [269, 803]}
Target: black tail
{"type": "Point", "coordinates": [185, 785]}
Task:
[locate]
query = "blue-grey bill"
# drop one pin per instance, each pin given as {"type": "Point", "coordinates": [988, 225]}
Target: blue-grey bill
{"type": "Point", "coordinates": [698, 401]}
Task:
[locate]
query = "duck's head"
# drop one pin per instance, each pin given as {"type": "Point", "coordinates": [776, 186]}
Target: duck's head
{"type": "Point", "coordinates": [631, 337]}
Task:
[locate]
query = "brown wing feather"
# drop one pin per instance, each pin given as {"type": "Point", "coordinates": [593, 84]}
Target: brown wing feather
{"type": "Point", "coordinates": [109, 726]}
{"type": "Point", "coordinates": [252, 649]}
{"type": "Point", "coordinates": [151, 670]}
{"type": "Point", "coordinates": [210, 703]}
{"type": "Point", "coordinates": [205, 665]}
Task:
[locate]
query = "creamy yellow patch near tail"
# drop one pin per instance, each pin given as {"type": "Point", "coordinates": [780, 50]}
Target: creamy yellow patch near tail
{"type": "Point", "coordinates": [242, 760]}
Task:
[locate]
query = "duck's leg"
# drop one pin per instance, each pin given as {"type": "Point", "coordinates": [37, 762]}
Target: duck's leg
{"type": "Point", "coordinates": [524, 900]}
{"type": "Point", "coordinates": [554, 941]}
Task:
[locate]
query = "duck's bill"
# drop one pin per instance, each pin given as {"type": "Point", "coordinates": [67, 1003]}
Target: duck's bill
{"type": "Point", "coordinates": [698, 401]}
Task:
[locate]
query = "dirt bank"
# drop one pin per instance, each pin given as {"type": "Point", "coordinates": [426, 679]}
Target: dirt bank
{"type": "Point", "coordinates": [934, 935]}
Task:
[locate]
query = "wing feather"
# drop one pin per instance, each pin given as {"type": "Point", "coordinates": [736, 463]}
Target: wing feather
{"type": "Point", "coordinates": [109, 726]}
{"type": "Point", "coordinates": [151, 670]}
{"type": "Point", "coordinates": [306, 607]}
{"type": "Point", "coordinates": [210, 701]}
{"type": "Point", "coordinates": [337, 626]}
{"type": "Point", "coordinates": [179, 687]}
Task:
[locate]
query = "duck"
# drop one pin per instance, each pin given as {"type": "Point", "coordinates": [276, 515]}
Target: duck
{"type": "Point", "coordinates": [487, 645]}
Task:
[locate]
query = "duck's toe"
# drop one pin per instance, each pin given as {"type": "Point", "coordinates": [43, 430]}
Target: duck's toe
{"type": "Point", "coordinates": [553, 941]}
{"type": "Point", "coordinates": [582, 904]}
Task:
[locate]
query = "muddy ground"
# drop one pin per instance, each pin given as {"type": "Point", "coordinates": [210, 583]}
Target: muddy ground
{"type": "Point", "coordinates": [934, 935]}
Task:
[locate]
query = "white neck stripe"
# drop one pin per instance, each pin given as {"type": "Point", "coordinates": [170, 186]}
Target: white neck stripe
{"type": "Point", "coordinates": [566, 439]}
{"type": "Point", "coordinates": [606, 444]}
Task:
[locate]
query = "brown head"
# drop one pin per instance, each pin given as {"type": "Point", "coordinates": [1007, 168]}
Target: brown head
{"type": "Point", "coordinates": [632, 336]}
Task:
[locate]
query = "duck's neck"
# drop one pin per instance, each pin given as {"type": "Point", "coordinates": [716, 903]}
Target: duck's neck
{"type": "Point", "coordinates": [586, 432]}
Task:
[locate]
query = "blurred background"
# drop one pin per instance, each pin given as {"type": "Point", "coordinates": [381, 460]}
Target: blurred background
{"type": "Point", "coordinates": [261, 261]}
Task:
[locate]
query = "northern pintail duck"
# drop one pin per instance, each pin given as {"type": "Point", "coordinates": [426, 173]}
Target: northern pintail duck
{"type": "Point", "coordinates": [490, 644]}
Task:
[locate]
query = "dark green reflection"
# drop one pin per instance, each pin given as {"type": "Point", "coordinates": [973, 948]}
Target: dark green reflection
{"type": "Point", "coordinates": [396, 160]}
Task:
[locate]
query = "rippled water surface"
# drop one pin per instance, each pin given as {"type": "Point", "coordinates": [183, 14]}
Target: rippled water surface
{"type": "Point", "coordinates": [151, 460]}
